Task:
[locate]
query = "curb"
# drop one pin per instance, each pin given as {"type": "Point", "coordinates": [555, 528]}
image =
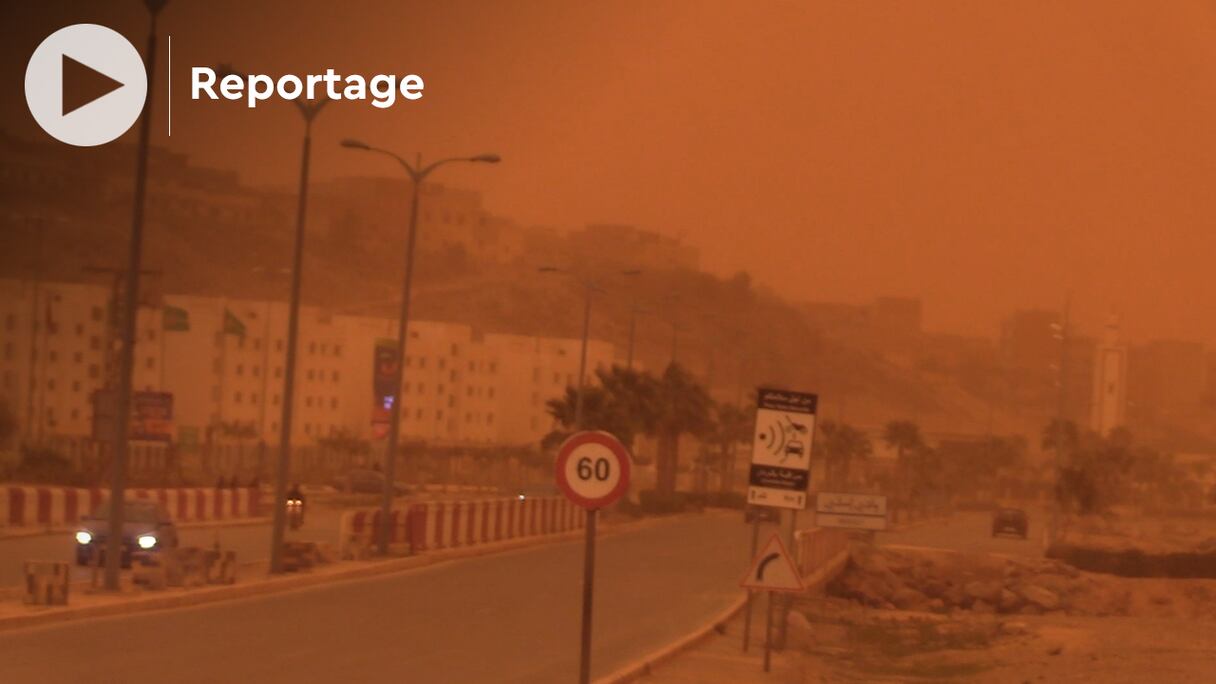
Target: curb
{"type": "Point", "coordinates": [643, 666]}
{"type": "Point", "coordinates": [273, 585]}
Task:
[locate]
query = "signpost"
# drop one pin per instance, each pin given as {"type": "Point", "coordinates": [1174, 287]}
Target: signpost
{"type": "Point", "coordinates": [593, 472]}
{"type": "Point", "coordinates": [772, 570]}
{"type": "Point", "coordinates": [781, 462]}
{"type": "Point", "coordinates": [851, 511]}
{"type": "Point", "coordinates": [151, 416]}
{"type": "Point", "coordinates": [781, 448]}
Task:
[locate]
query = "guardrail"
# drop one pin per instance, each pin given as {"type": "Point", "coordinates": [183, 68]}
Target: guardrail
{"type": "Point", "coordinates": [431, 526]}
{"type": "Point", "coordinates": [820, 551]}
{"type": "Point", "coordinates": [34, 507]}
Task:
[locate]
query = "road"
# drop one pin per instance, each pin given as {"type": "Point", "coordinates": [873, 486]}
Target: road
{"type": "Point", "coordinates": [967, 531]}
{"type": "Point", "coordinates": [509, 617]}
{"type": "Point", "coordinates": [251, 543]}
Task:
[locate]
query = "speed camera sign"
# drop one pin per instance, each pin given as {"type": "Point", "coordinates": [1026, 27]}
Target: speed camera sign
{"type": "Point", "coordinates": [593, 469]}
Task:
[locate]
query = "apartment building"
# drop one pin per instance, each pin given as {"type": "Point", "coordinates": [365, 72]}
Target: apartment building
{"type": "Point", "coordinates": [223, 361]}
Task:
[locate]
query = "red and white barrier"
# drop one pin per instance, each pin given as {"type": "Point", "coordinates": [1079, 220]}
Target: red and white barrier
{"type": "Point", "coordinates": [441, 525]}
{"type": "Point", "coordinates": [33, 507]}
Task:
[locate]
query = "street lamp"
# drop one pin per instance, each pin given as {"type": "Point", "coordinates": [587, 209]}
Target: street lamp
{"type": "Point", "coordinates": [589, 286]}
{"type": "Point", "coordinates": [417, 174]}
{"type": "Point", "coordinates": [122, 411]}
{"type": "Point", "coordinates": [308, 109]}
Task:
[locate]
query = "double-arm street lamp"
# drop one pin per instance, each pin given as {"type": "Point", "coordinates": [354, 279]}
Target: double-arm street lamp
{"type": "Point", "coordinates": [589, 287]}
{"type": "Point", "coordinates": [417, 174]}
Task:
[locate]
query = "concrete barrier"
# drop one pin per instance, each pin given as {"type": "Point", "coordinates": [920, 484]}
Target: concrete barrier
{"type": "Point", "coordinates": [440, 525]}
{"type": "Point", "coordinates": [32, 507]}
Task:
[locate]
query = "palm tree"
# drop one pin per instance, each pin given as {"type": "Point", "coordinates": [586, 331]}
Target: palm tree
{"type": "Point", "coordinates": [622, 403]}
{"type": "Point", "coordinates": [839, 444]}
{"type": "Point", "coordinates": [732, 425]}
{"type": "Point", "coordinates": [682, 406]}
{"type": "Point", "coordinates": [903, 436]}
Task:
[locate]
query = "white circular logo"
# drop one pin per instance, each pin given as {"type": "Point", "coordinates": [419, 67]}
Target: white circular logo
{"type": "Point", "coordinates": [85, 85]}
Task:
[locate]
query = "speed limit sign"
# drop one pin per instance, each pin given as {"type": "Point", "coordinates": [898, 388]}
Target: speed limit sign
{"type": "Point", "coordinates": [593, 469]}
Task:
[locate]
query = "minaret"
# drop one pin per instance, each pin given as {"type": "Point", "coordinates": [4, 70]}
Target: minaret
{"type": "Point", "coordinates": [1110, 380]}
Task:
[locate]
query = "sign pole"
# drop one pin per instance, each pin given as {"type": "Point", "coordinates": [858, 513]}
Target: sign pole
{"type": "Point", "coordinates": [747, 609]}
{"type": "Point", "coordinates": [584, 660]}
{"type": "Point", "coordinates": [787, 601]}
{"type": "Point", "coordinates": [768, 633]}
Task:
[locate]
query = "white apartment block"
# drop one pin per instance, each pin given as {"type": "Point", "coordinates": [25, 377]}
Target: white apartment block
{"type": "Point", "coordinates": [223, 360]}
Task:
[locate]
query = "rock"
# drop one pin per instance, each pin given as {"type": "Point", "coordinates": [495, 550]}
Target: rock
{"type": "Point", "coordinates": [907, 598]}
{"type": "Point", "coordinates": [933, 587]}
{"type": "Point", "coordinates": [1055, 650]}
{"type": "Point", "coordinates": [1045, 599]}
{"type": "Point", "coordinates": [982, 607]}
{"type": "Point", "coordinates": [1013, 628]}
{"type": "Point", "coordinates": [955, 597]}
{"type": "Point", "coordinates": [936, 605]}
{"type": "Point", "coordinates": [1059, 584]}
{"type": "Point", "coordinates": [1009, 601]}
{"type": "Point", "coordinates": [979, 590]}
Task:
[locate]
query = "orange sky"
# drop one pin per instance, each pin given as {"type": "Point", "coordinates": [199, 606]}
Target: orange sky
{"type": "Point", "coordinates": [981, 155]}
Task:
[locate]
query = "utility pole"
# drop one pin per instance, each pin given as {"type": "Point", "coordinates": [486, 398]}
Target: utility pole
{"type": "Point", "coordinates": [118, 473]}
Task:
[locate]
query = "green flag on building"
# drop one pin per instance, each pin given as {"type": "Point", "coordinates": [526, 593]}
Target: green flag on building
{"type": "Point", "coordinates": [233, 325]}
{"type": "Point", "coordinates": [175, 319]}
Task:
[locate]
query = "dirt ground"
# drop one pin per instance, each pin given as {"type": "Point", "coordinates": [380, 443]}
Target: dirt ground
{"type": "Point", "coordinates": [1105, 629]}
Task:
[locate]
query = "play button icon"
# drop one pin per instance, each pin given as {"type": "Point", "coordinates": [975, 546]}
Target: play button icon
{"type": "Point", "coordinates": [85, 85]}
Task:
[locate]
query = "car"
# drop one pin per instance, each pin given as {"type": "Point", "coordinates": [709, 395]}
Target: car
{"type": "Point", "coordinates": [1009, 521]}
{"type": "Point", "coordinates": [363, 481]}
{"type": "Point", "coordinates": [147, 527]}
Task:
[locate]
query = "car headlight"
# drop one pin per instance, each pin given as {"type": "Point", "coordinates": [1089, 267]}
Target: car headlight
{"type": "Point", "coordinates": [522, 497]}
{"type": "Point", "coordinates": [294, 502]}
{"type": "Point", "coordinates": [83, 537]}
{"type": "Point", "coordinates": [146, 541]}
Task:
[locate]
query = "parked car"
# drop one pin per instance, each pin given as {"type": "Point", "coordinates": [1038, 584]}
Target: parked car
{"type": "Point", "coordinates": [363, 481]}
{"type": "Point", "coordinates": [146, 527]}
{"type": "Point", "coordinates": [1009, 521]}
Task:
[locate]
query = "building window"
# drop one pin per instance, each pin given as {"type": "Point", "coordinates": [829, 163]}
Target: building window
{"type": "Point", "coordinates": [80, 330]}
{"type": "Point", "coordinates": [94, 343]}
{"type": "Point", "coordinates": [535, 375]}
{"type": "Point", "coordinates": [439, 389]}
{"type": "Point", "coordinates": [493, 366]}
{"type": "Point", "coordinates": [418, 414]}
{"type": "Point", "coordinates": [422, 362]}
{"type": "Point", "coordinates": [278, 373]}
{"type": "Point", "coordinates": [472, 366]}
{"type": "Point", "coordinates": [278, 345]}
{"type": "Point", "coordinates": [240, 369]}
{"type": "Point", "coordinates": [151, 334]}
{"type": "Point", "coordinates": [253, 398]}
{"type": "Point", "coordinates": [78, 357]}
{"type": "Point", "coordinates": [94, 371]}
{"type": "Point", "coordinates": [150, 363]}
{"type": "Point", "coordinates": [490, 392]}
{"type": "Point", "coordinates": [451, 401]}
{"type": "Point", "coordinates": [75, 385]}
{"type": "Point", "coordinates": [8, 350]}
{"type": "Point", "coordinates": [333, 403]}
{"type": "Point", "coordinates": [312, 348]}
{"type": "Point", "coordinates": [452, 376]}
{"type": "Point", "coordinates": [308, 401]}
{"type": "Point", "coordinates": [334, 376]}
{"type": "Point", "coordinates": [236, 398]}
{"type": "Point", "coordinates": [439, 414]}
{"type": "Point", "coordinates": [255, 370]}
{"type": "Point", "coordinates": [53, 356]}
{"type": "Point", "coordinates": [215, 393]}
{"type": "Point", "coordinates": [338, 351]}
{"type": "Point", "coordinates": [98, 314]}
{"type": "Point", "coordinates": [276, 400]}
{"type": "Point", "coordinates": [489, 419]}
{"type": "Point", "coordinates": [310, 374]}
{"type": "Point", "coordinates": [442, 363]}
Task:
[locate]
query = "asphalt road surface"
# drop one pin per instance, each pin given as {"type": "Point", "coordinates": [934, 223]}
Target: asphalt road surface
{"type": "Point", "coordinates": [968, 531]}
{"type": "Point", "coordinates": [509, 617]}
{"type": "Point", "coordinates": [251, 543]}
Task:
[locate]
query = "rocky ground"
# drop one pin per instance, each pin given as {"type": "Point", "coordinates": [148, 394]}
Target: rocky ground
{"type": "Point", "coordinates": [904, 615]}
{"type": "Point", "coordinates": [946, 582]}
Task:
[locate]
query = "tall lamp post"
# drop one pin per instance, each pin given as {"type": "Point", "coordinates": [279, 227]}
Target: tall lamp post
{"type": "Point", "coordinates": [308, 111]}
{"type": "Point", "coordinates": [589, 288]}
{"type": "Point", "coordinates": [118, 474]}
{"type": "Point", "coordinates": [417, 174]}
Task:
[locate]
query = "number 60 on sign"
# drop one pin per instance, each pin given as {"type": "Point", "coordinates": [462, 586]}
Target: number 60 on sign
{"type": "Point", "coordinates": [592, 469]}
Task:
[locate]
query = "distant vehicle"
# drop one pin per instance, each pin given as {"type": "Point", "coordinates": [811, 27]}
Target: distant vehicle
{"type": "Point", "coordinates": [146, 527]}
{"type": "Point", "coordinates": [762, 514]}
{"type": "Point", "coordinates": [1009, 521]}
{"type": "Point", "coordinates": [365, 482]}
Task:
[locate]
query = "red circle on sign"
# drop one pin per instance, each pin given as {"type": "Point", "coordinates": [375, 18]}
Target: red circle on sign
{"type": "Point", "coordinates": [612, 444]}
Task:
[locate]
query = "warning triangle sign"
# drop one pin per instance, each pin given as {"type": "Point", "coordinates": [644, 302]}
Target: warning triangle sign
{"type": "Point", "coordinates": [773, 569]}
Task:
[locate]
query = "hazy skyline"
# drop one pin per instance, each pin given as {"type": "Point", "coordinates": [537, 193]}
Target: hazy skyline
{"type": "Point", "coordinates": [980, 157]}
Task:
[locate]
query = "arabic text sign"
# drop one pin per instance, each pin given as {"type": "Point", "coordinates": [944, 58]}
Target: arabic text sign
{"type": "Point", "coordinates": [855, 511]}
{"type": "Point", "coordinates": [781, 448]}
